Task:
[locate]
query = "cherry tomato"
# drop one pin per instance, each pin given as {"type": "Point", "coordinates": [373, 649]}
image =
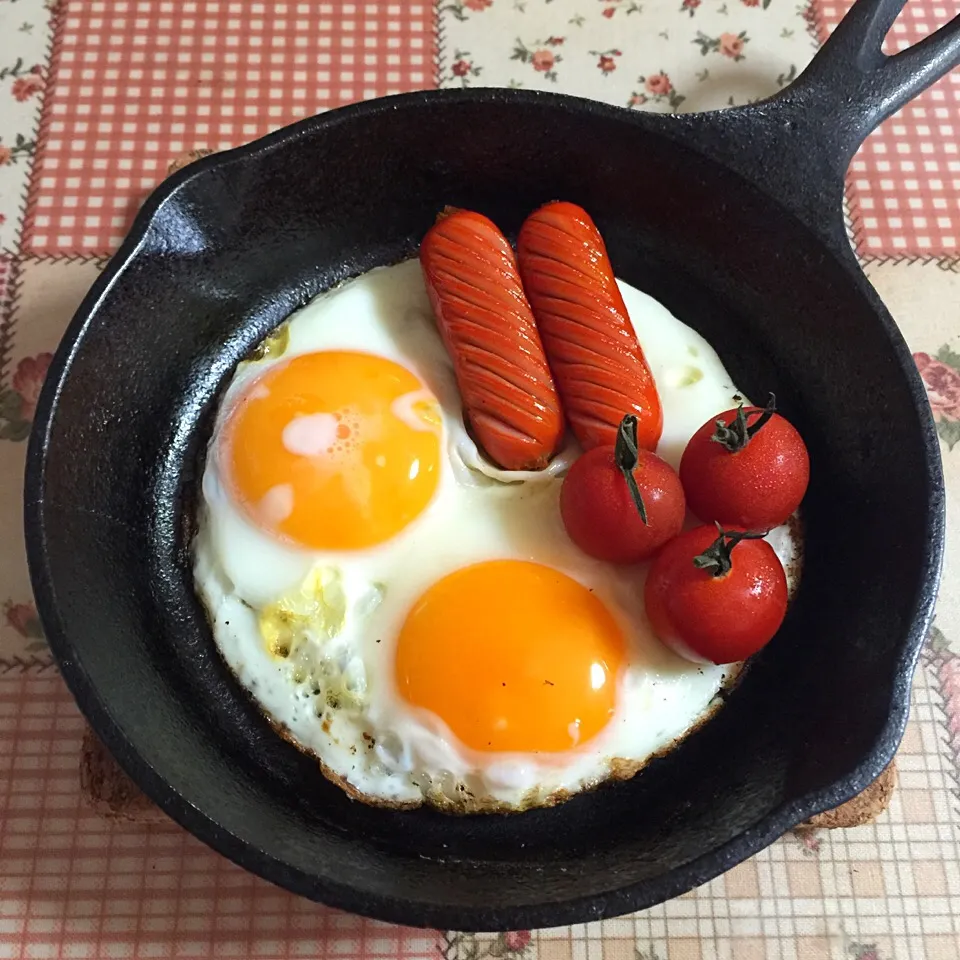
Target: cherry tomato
{"type": "Point", "coordinates": [621, 503]}
{"type": "Point", "coordinates": [715, 597]}
{"type": "Point", "coordinates": [746, 468]}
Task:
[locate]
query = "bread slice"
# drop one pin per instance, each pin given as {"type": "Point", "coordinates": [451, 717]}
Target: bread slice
{"type": "Point", "coordinates": [113, 795]}
{"type": "Point", "coordinates": [108, 789]}
{"type": "Point", "coordinates": [862, 809]}
{"type": "Point", "coordinates": [178, 163]}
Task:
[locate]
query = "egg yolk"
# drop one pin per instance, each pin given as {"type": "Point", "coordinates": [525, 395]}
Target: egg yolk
{"type": "Point", "coordinates": [335, 450]}
{"type": "Point", "coordinates": [512, 656]}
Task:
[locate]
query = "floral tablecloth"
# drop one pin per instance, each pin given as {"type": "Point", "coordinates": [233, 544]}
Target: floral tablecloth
{"type": "Point", "coordinates": [97, 97]}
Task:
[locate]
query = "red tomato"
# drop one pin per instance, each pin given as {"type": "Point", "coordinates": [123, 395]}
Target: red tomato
{"type": "Point", "coordinates": [717, 598]}
{"type": "Point", "coordinates": [621, 503]}
{"type": "Point", "coordinates": [746, 468]}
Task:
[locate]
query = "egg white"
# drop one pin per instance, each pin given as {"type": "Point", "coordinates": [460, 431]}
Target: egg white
{"type": "Point", "coordinates": [382, 748]}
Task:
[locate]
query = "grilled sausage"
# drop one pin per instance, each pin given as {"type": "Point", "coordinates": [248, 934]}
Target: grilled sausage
{"type": "Point", "coordinates": [508, 392]}
{"type": "Point", "coordinates": [598, 364]}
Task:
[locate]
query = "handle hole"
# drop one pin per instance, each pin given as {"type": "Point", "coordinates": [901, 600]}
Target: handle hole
{"type": "Point", "coordinates": [913, 23]}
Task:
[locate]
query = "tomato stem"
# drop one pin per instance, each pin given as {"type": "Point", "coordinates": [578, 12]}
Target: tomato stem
{"type": "Point", "coordinates": [716, 559]}
{"type": "Point", "coordinates": [734, 436]}
{"type": "Point", "coordinates": [627, 455]}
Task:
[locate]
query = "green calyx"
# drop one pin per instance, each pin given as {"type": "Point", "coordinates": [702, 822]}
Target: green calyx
{"type": "Point", "coordinates": [736, 435]}
{"type": "Point", "coordinates": [627, 454]}
{"type": "Point", "coordinates": [717, 559]}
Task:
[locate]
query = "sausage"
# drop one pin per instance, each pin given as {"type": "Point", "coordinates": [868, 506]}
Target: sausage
{"type": "Point", "coordinates": [509, 396]}
{"type": "Point", "coordinates": [598, 364]}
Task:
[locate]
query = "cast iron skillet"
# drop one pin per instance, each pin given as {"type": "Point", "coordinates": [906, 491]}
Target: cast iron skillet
{"type": "Point", "coordinates": [733, 220]}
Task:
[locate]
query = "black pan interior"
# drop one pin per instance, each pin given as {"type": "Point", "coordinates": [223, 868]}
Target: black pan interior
{"type": "Point", "coordinates": [232, 250]}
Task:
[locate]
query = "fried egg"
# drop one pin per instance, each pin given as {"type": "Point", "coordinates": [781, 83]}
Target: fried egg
{"type": "Point", "coordinates": [412, 616]}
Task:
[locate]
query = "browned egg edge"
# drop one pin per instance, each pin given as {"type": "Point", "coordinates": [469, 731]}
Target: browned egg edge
{"type": "Point", "coordinates": [620, 769]}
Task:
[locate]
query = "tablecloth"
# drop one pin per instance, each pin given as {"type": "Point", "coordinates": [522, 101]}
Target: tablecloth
{"type": "Point", "coordinates": [97, 97]}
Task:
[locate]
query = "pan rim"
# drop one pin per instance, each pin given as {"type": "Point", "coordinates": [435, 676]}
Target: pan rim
{"type": "Point", "coordinates": [413, 911]}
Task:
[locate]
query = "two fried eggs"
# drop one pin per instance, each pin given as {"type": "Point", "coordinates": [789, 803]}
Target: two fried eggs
{"type": "Point", "coordinates": [409, 614]}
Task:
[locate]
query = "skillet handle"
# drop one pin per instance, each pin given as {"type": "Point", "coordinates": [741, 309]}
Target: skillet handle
{"type": "Point", "coordinates": [798, 144]}
{"type": "Point", "coordinates": [854, 86]}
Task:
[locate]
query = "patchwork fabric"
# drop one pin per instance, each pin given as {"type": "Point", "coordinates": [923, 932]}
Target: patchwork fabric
{"type": "Point", "coordinates": [97, 98]}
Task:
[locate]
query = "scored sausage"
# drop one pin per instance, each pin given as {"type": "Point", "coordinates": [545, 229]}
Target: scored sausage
{"type": "Point", "coordinates": [509, 396]}
{"type": "Point", "coordinates": [600, 369]}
